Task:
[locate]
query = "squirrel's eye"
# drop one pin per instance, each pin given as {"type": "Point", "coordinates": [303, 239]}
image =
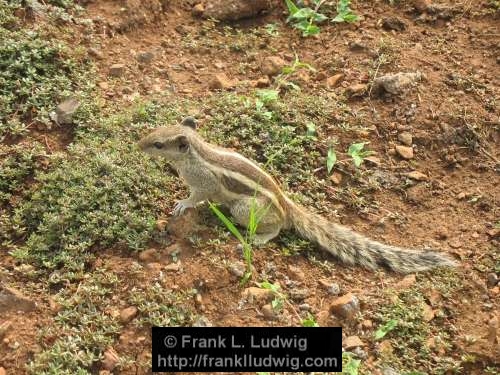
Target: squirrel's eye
{"type": "Point", "coordinates": [158, 145]}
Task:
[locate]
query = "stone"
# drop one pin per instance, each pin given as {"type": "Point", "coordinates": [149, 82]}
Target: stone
{"type": "Point", "coordinates": [396, 84]}
{"type": "Point", "coordinates": [331, 287]}
{"type": "Point", "coordinates": [103, 85]}
{"type": "Point", "coordinates": [220, 81]}
{"type": "Point", "coordinates": [417, 176]}
{"type": "Point", "coordinates": [334, 80]}
{"type": "Point", "coordinates": [299, 294]}
{"type": "Point", "coordinates": [4, 328]}
{"type": "Point", "coordinates": [358, 89]}
{"type": "Point", "coordinates": [116, 70]}
{"type": "Point", "coordinates": [404, 151]}
{"type": "Point", "coordinates": [296, 273]}
{"type": "Point", "coordinates": [94, 52]}
{"type": "Point", "coordinates": [198, 10]}
{"type": "Point", "coordinates": [268, 312]}
{"type": "Point", "coordinates": [304, 307]}
{"type": "Point", "coordinates": [145, 57]}
{"type": "Point", "coordinates": [2, 371]}
{"type": "Point", "coordinates": [272, 65]}
{"type": "Point", "coordinates": [405, 138]}
{"type": "Point", "coordinates": [428, 313]}
{"type": "Point", "coordinates": [110, 360]}
{"type": "Point", "coordinates": [232, 10]}
{"type": "Point", "coordinates": [64, 112]}
{"type": "Point", "coordinates": [422, 5]}
{"type": "Point", "coordinates": [367, 324]}
{"type": "Point", "coordinates": [352, 342]}
{"type": "Point", "coordinates": [127, 314]}
{"type": "Point", "coordinates": [173, 267]}
{"type": "Point", "coordinates": [393, 23]}
{"type": "Point", "coordinates": [346, 306]}
{"type": "Point", "coordinates": [202, 321]}
{"type": "Point", "coordinates": [492, 280]}
{"type": "Point", "coordinates": [493, 330]}
{"type": "Point", "coordinates": [161, 225]}
{"type": "Point", "coordinates": [262, 82]}
{"type": "Point", "coordinates": [149, 255]}
{"type": "Point", "coordinates": [434, 297]}
{"type": "Point", "coordinates": [336, 178]}
{"type": "Point", "coordinates": [255, 294]}
{"type": "Point", "coordinates": [13, 300]}
{"type": "Point", "coordinates": [237, 269]}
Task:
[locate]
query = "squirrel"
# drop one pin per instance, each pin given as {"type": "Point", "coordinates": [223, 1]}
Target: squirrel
{"type": "Point", "coordinates": [226, 177]}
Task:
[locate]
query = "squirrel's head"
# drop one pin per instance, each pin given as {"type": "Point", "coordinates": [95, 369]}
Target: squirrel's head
{"type": "Point", "coordinates": [171, 143]}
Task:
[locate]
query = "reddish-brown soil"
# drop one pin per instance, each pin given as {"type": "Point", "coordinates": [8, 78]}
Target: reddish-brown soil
{"type": "Point", "coordinates": [454, 123]}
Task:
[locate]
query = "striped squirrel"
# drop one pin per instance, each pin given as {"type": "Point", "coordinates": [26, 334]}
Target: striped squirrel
{"type": "Point", "coordinates": [228, 178]}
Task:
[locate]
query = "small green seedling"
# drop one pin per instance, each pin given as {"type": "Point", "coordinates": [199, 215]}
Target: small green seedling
{"type": "Point", "coordinates": [344, 12]}
{"type": "Point", "coordinates": [305, 19]}
{"type": "Point", "coordinates": [279, 298]}
{"type": "Point", "coordinates": [357, 152]}
{"type": "Point", "coordinates": [350, 365]}
{"type": "Point", "coordinates": [311, 129]}
{"type": "Point", "coordinates": [385, 329]}
{"type": "Point", "coordinates": [331, 159]}
{"type": "Point", "coordinates": [310, 321]}
{"type": "Point", "coordinates": [255, 216]}
{"type": "Point", "coordinates": [288, 71]}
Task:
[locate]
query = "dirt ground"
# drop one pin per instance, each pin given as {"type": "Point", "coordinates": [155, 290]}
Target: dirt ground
{"type": "Point", "coordinates": [453, 205]}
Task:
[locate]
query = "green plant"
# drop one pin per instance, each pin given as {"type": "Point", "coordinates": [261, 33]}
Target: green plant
{"type": "Point", "coordinates": [35, 74]}
{"type": "Point", "coordinates": [305, 19]}
{"type": "Point", "coordinates": [83, 328]}
{"type": "Point", "coordinates": [279, 298]}
{"type": "Point", "coordinates": [255, 216]}
{"type": "Point", "coordinates": [350, 365]}
{"type": "Point", "coordinates": [344, 12]}
{"type": "Point", "coordinates": [331, 159]}
{"type": "Point", "coordinates": [101, 193]}
{"type": "Point", "coordinates": [160, 307]}
{"type": "Point", "coordinates": [385, 329]}
{"type": "Point", "coordinates": [357, 152]}
{"type": "Point", "coordinates": [283, 79]}
{"type": "Point", "coordinates": [310, 321]}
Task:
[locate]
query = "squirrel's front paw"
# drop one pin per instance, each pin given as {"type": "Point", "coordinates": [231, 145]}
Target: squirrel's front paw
{"type": "Point", "coordinates": [181, 206]}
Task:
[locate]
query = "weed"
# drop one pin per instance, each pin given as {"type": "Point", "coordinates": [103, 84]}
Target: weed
{"type": "Point", "coordinates": [83, 328]}
{"type": "Point", "coordinates": [102, 193]}
{"type": "Point", "coordinates": [331, 159]}
{"type": "Point", "coordinates": [310, 321]}
{"type": "Point", "coordinates": [350, 365]}
{"type": "Point", "coordinates": [159, 306]}
{"type": "Point", "coordinates": [385, 329]}
{"type": "Point", "coordinates": [305, 19]}
{"type": "Point", "coordinates": [35, 74]}
{"type": "Point", "coordinates": [357, 152]}
{"type": "Point", "coordinates": [255, 216]}
{"type": "Point", "coordinates": [344, 12]}
{"type": "Point", "coordinates": [16, 164]}
{"type": "Point", "coordinates": [279, 299]}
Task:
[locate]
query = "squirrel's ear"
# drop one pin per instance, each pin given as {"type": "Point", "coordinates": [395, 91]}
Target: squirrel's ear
{"type": "Point", "coordinates": [182, 143]}
{"type": "Point", "coordinates": [190, 122]}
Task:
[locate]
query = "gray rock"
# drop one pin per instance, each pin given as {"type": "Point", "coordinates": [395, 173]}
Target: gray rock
{"type": "Point", "coordinates": [64, 112]}
{"type": "Point", "coordinates": [145, 57]}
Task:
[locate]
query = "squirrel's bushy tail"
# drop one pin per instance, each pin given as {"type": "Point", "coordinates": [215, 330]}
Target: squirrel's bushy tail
{"type": "Point", "coordinates": [353, 248]}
